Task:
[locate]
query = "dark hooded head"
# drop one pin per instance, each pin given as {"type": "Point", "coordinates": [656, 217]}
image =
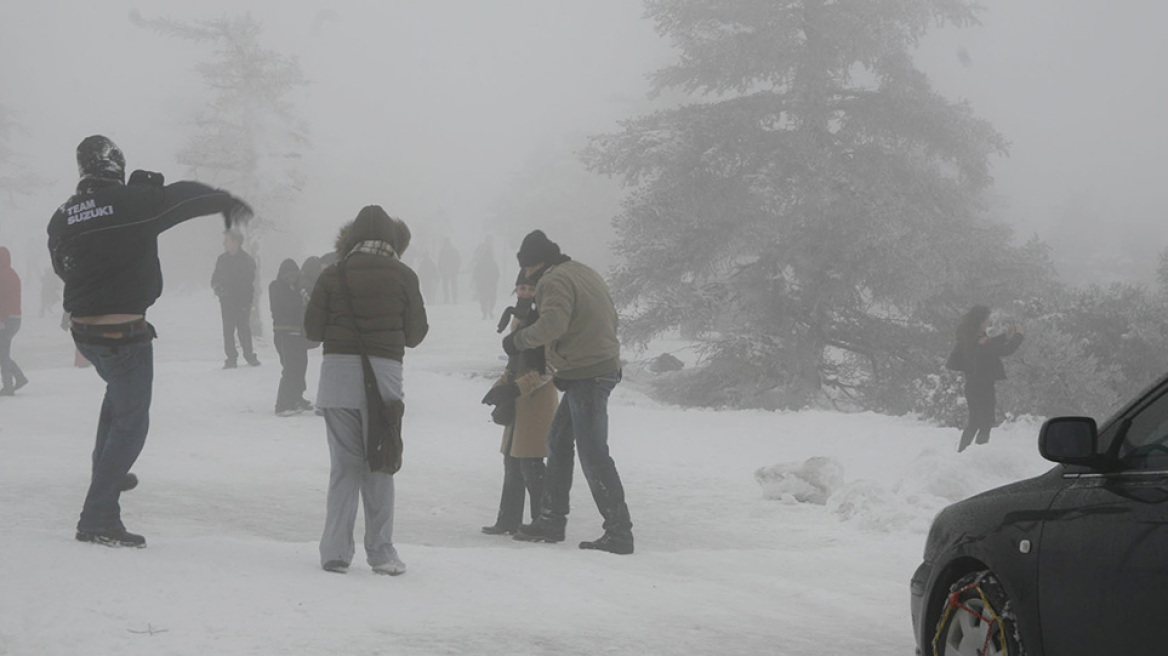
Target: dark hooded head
{"type": "Point", "coordinates": [100, 158]}
{"type": "Point", "coordinates": [970, 326]}
{"type": "Point", "coordinates": [289, 271]}
{"type": "Point", "coordinates": [373, 224]}
{"type": "Point", "coordinates": [537, 249]}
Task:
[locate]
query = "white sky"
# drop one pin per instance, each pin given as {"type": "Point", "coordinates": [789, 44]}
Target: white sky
{"type": "Point", "coordinates": [428, 106]}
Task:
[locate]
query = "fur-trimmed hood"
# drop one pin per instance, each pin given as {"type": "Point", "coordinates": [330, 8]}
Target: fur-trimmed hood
{"type": "Point", "coordinates": [373, 224]}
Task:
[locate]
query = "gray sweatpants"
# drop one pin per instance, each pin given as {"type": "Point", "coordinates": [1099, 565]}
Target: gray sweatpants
{"type": "Point", "coordinates": [349, 477]}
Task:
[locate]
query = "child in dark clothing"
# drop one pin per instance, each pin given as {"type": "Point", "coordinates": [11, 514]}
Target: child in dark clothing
{"type": "Point", "coordinates": [287, 300]}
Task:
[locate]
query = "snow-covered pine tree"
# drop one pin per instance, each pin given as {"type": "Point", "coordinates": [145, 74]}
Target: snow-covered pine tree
{"type": "Point", "coordinates": [247, 138]}
{"type": "Point", "coordinates": [813, 200]}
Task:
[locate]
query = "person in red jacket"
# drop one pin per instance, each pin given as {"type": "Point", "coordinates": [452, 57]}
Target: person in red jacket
{"type": "Point", "coordinates": [11, 375]}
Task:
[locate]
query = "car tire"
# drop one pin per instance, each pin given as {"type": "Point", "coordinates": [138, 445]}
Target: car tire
{"type": "Point", "coordinates": [976, 619]}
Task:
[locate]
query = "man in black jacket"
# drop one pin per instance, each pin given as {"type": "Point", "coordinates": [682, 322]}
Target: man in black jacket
{"type": "Point", "coordinates": [104, 246]}
{"type": "Point", "coordinates": [234, 284]}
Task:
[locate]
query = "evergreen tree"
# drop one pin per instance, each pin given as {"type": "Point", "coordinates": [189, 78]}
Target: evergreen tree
{"type": "Point", "coordinates": [17, 181]}
{"type": "Point", "coordinates": [554, 192]}
{"type": "Point", "coordinates": [248, 138]}
{"type": "Point", "coordinates": [812, 207]}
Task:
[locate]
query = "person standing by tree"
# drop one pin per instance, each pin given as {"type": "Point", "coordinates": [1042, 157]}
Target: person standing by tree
{"type": "Point", "coordinates": [980, 358]}
{"type": "Point", "coordinates": [104, 246]}
{"type": "Point", "coordinates": [234, 284]}
{"type": "Point", "coordinates": [524, 384]}
{"type": "Point", "coordinates": [287, 302]}
{"type": "Point", "coordinates": [578, 323]}
{"type": "Point", "coordinates": [13, 378]}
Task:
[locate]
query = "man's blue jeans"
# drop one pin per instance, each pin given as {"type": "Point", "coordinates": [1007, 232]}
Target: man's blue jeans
{"type": "Point", "coordinates": [581, 422]}
{"type": "Point", "coordinates": [128, 371]}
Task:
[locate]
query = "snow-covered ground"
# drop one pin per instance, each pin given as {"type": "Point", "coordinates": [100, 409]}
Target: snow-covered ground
{"type": "Point", "coordinates": [232, 502]}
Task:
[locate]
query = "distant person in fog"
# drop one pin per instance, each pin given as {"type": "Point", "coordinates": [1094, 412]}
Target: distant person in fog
{"type": "Point", "coordinates": [980, 358]}
{"type": "Point", "coordinates": [428, 277]}
{"type": "Point", "coordinates": [309, 272]}
{"type": "Point", "coordinates": [449, 264]}
{"type": "Point", "coordinates": [287, 303]}
{"type": "Point", "coordinates": [234, 284]}
{"type": "Point", "coordinates": [11, 375]}
{"type": "Point", "coordinates": [486, 278]}
{"type": "Point", "coordinates": [104, 244]}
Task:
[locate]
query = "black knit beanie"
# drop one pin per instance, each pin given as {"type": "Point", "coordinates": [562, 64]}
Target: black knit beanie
{"type": "Point", "coordinates": [98, 157]}
{"type": "Point", "coordinates": [537, 249]}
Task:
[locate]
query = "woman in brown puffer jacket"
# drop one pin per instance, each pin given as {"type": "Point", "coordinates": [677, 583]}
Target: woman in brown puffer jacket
{"type": "Point", "coordinates": [388, 312]}
{"type": "Point", "coordinates": [525, 437]}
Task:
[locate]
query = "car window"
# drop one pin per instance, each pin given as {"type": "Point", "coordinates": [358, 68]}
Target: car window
{"type": "Point", "coordinates": [1145, 446]}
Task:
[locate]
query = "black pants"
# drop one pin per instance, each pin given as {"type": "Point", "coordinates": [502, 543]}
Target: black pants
{"type": "Point", "coordinates": [979, 396]}
{"type": "Point", "coordinates": [293, 351]}
{"type": "Point", "coordinates": [237, 319]}
{"type": "Point", "coordinates": [519, 475]}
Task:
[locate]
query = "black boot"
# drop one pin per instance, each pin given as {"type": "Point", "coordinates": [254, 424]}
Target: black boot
{"type": "Point", "coordinates": [116, 538]}
{"type": "Point", "coordinates": [498, 530]}
{"type": "Point", "coordinates": [538, 531]}
{"type": "Point", "coordinates": [611, 543]}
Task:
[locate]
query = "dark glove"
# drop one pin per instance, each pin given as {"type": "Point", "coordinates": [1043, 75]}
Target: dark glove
{"type": "Point", "coordinates": [238, 214]}
{"type": "Point", "coordinates": [501, 394]}
{"type": "Point", "coordinates": [146, 178]}
{"type": "Point", "coordinates": [505, 319]}
{"type": "Point", "coordinates": [509, 345]}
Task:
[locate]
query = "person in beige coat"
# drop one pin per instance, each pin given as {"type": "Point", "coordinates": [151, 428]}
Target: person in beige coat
{"type": "Point", "coordinates": [525, 437]}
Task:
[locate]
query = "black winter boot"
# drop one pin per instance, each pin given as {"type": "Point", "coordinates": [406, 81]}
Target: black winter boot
{"type": "Point", "coordinates": [538, 531]}
{"type": "Point", "coordinates": [622, 546]}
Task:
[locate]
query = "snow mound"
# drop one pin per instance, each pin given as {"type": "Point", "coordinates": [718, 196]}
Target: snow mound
{"type": "Point", "coordinates": [873, 507]}
{"type": "Point", "coordinates": [811, 481]}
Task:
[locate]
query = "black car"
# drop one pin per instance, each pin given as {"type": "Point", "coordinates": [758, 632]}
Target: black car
{"type": "Point", "coordinates": [1074, 561]}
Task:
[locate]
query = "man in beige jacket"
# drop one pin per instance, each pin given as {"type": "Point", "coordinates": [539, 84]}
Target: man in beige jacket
{"type": "Point", "coordinates": [578, 324]}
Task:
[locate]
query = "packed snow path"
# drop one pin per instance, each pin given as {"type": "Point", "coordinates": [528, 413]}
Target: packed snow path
{"type": "Point", "coordinates": [232, 501]}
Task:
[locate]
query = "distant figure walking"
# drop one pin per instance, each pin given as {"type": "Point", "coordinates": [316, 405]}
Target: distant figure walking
{"type": "Point", "coordinates": [428, 277]}
{"type": "Point", "coordinates": [369, 302]}
{"type": "Point", "coordinates": [11, 375]}
{"type": "Point", "coordinates": [104, 245]}
{"type": "Point", "coordinates": [234, 284]}
{"type": "Point", "coordinates": [449, 264]}
{"type": "Point", "coordinates": [287, 303]}
{"type": "Point", "coordinates": [486, 278]}
{"type": "Point", "coordinates": [980, 358]}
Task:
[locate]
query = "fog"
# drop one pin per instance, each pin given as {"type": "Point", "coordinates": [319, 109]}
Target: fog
{"type": "Point", "coordinates": [432, 109]}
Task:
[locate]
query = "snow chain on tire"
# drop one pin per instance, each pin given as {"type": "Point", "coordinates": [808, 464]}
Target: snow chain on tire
{"type": "Point", "coordinates": [953, 604]}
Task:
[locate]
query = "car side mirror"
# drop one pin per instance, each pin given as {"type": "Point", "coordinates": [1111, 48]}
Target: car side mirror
{"type": "Point", "coordinates": [1070, 441]}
